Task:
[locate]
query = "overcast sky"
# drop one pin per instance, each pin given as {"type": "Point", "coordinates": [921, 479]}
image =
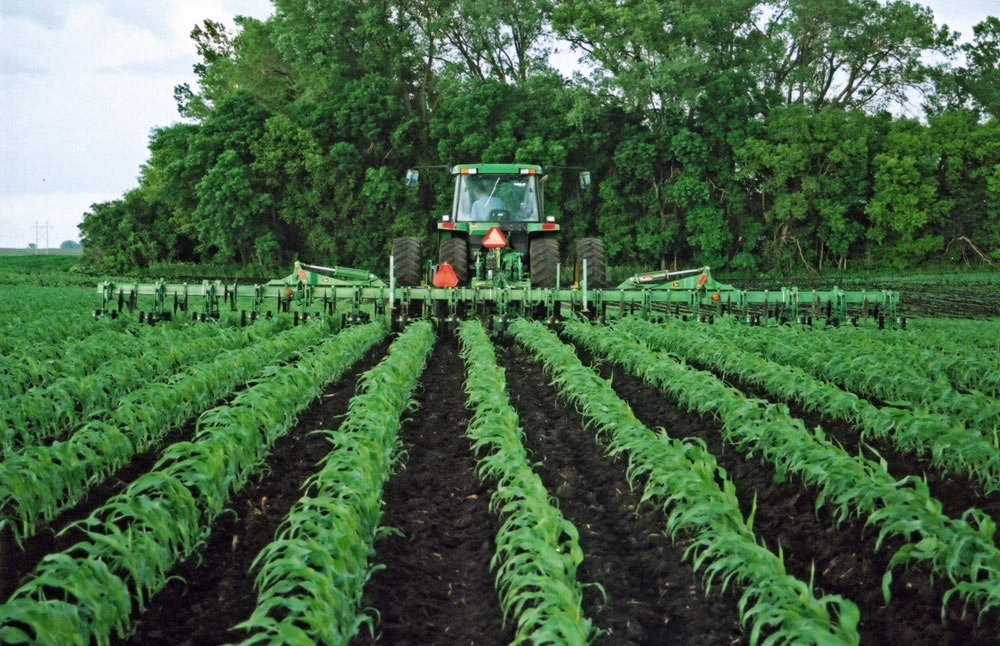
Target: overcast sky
{"type": "Point", "coordinates": [83, 82]}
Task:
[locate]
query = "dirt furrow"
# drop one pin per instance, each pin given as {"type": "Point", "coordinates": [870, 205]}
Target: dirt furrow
{"type": "Point", "coordinates": [845, 558]}
{"type": "Point", "coordinates": [214, 589]}
{"type": "Point", "coordinates": [653, 596]}
{"type": "Point", "coordinates": [436, 587]}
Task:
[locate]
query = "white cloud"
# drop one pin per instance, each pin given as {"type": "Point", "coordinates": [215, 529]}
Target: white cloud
{"type": "Point", "coordinates": [81, 86]}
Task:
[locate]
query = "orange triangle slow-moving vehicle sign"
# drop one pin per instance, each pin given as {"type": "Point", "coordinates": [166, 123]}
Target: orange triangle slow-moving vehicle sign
{"type": "Point", "coordinates": [494, 238]}
{"type": "Point", "coordinates": [445, 276]}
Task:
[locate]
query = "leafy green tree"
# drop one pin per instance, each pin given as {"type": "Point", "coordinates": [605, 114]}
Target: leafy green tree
{"type": "Point", "coordinates": [904, 197]}
{"type": "Point", "coordinates": [126, 233]}
{"type": "Point", "coordinates": [243, 59]}
{"type": "Point", "coordinates": [812, 172]}
{"type": "Point", "coordinates": [851, 53]}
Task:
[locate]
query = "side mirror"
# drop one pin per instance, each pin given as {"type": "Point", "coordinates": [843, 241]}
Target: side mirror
{"type": "Point", "coordinates": [585, 180]}
{"type": "Point", "coordinates": [411, 179]}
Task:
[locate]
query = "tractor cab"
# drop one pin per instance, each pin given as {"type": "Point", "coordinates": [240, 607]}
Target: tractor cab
{"type": "Point", "coordinates": [502, 198]}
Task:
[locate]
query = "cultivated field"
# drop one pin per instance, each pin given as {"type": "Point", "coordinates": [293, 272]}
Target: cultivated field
{"type": "Point", "coordinates": [634, 483]}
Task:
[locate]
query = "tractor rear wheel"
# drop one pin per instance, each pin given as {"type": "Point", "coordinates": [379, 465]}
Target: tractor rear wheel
{"type": "Point", "coordinates": [543, 258]}
{"type": "Point", "coordinates": [591, 250]}
{"type": "Point", "coordinates": [406, 261]}
{"type": "Point", "coordinates": [455, 252]}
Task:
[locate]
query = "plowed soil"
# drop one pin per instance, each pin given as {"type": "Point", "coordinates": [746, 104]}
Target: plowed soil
{"type": "Point", "coordinates": [842, 559]}
{"type": "Point", "coordinates": [214, 590]}
{"type": "Point", "coordinates": [436, 586]}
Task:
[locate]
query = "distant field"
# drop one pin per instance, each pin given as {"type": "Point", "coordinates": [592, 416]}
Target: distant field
{"type": "Point", "coordinates": [55, 269]}
{"type": "Point", "coordinates": [41, 252]}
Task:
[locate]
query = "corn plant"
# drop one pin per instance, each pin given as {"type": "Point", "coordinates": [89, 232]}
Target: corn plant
{"type": "Point", "coordinates": [164, 515]}
{"type": "Point", "coordinates": [42, 414]}
{"type": "Point", "coordinates": [683, 478]}
{"type": "Point", "coordinates": [28, 323]}
{"type": "Point", "coordinates": [25, 370]}
{"type": "Point", "coordinates": [312, 575]}
{"type": "Point", "coordinates": [538, 550]}
{"type": "Point", "coordinates": [949, 445]}
{"type": "Point", "coordinates": [962, 550]}
{"type": "Point", "coordinates": [885, 377]}
{"type": "Point", "coordinates": [39, 482]}
{"type": "Point", "coordinates": [959, 368]}
{"type": "Point", "coordinates": [984, 335]}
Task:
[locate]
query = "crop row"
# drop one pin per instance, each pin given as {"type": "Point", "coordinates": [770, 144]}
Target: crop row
{"type": "Point", "coordinates": [888, 378]}
{"type": "Point", "coordinates": [964, 371]}
{"type": "Point", "coordinates": [77, 357]}
{"type": "Point", "coordinates": [944, 340]}
{"type": "Point", "coordinates": [538, 550]}
{"type": "Point", "coordinates": [984, 334]}
{"type": "Point", "coordinates": [41, 481]}
{"type": "Point", "coordinates": [683, 478]}
{"type": "Point", "coordinates": [962, 551]}
{"type": "Point", "coordinates": [312, 575]}
{"type": "Point", "coordinates": [82, 595]}
{"type": "Point", "coordinates": [950, 445]}
{"type": "Point", "coordinates": [42, 414]}
{"type": "Point", "coordinates": [36, 319]}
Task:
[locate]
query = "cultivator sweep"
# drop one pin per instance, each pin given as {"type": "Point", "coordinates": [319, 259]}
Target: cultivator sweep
{"type": "Point", "coordinates": [498, 259]}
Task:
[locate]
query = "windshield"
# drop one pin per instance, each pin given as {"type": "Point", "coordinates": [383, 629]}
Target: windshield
{"type": "Point", "coordinates": [481, 198]}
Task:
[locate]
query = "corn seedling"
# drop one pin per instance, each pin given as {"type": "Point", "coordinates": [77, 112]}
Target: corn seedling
{"type": "Point", "coordinates": [39, 482]}
{"type": "Point", "coordinates": [682, 477]}
{"type": "Point", "coordinates": [164, 515]}
{"type": "Point", "coordinates": [950, 446]}
{"type": "Point", "coordinates": [960, 550]}
{"type": "Point", "coordinates": [312, 575]}
{"type": "Point", "coordinates": [538, 550]}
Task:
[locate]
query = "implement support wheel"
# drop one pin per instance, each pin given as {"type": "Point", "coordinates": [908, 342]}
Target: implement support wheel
{"type": "Point", "coordinates": [406, 261]}
{"type": "Point", "coordinates": [543, 258]}
{"type": "Point", "coordinates": [591, 250]}
{"type": "Point", "coordinates": [455, 252]}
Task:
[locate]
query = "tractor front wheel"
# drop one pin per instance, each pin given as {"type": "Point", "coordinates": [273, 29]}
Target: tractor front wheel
{"type": "Point", "coordinates": [455, 252]}
{"type": "Point", "coordinates": [406, 261]}
{"type": "Point", "coordinates": [591, 250]}
{"type": "Point", "coordinates": [543, 258]}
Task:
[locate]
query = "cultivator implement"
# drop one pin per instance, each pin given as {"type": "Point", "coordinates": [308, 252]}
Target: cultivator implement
{"type": "Point", "coordinates": [357, 296]}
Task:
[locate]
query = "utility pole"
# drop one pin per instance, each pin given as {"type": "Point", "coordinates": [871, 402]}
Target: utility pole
{"type": "Point", "coordinates": [46, 227]}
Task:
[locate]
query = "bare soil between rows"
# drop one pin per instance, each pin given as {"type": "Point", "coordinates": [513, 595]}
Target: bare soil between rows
{"type": "Point", "coordinates": [214, 590]}
{"type": "Point", "coordinates": [437, 586]}
{"type": "Point", "coordinates": [653, 596]}
{"type": "Point", "coordinates": [842, 559]}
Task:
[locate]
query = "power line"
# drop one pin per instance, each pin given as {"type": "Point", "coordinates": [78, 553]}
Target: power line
{"type": "Point", "coordinates": [36, 227]}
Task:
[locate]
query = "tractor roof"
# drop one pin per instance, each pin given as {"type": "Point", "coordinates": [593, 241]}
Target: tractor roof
{"type": "Point", "coordinates": [496, 169]}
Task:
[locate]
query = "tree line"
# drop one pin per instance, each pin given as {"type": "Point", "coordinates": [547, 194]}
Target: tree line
{"type": "Point", "coordinates": [740, 134]}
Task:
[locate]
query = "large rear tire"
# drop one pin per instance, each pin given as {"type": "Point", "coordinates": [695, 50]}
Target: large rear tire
{"type": "Point", "coordinates": [455, 252]}
{"type": "Point", "coordinates": [543, 258]}
{"type": "Point", "coordinates": [406, 261]}
{"type": "Point", "coordinates": [591, 250]}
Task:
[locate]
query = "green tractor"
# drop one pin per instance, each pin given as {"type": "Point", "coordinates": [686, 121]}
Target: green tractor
{"type": "Point", "coordinates": [497, 235]}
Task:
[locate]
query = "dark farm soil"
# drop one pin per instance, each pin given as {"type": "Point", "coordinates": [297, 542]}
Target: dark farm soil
{"type": "Point", "coordinates": [437, 587]}
{"type": "Point", "coordinates": [653, 596]}
{"type": "Point", "coordinates": [215, 590]}
{"type": "Point", "coordinates": [845, 558]}
{"type": "Point", "coordinates": [957, 492]}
